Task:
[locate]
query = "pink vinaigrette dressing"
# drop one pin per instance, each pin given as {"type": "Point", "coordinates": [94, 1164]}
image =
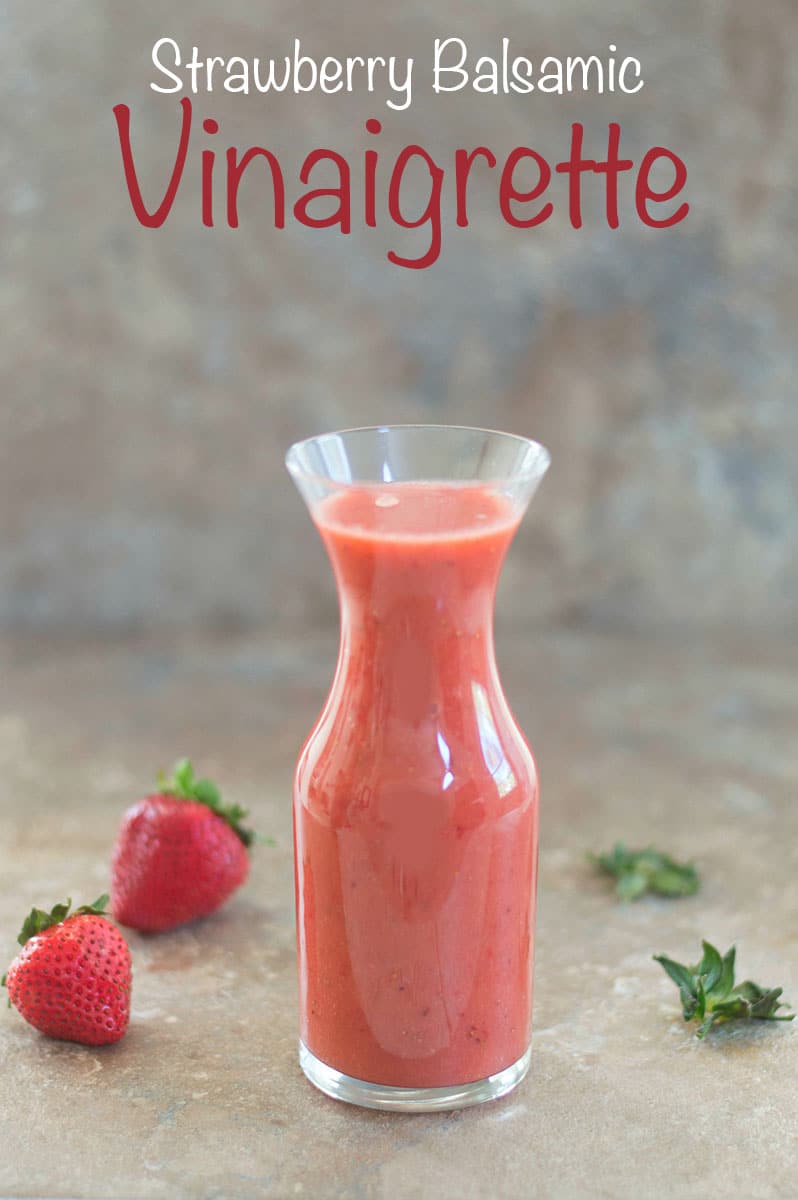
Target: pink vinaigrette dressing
{"type": "Point", "coordinates": [416, 800]}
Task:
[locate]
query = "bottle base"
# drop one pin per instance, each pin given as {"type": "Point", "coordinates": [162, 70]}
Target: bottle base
{"type": "Point", "coordinates": [407, 1099]}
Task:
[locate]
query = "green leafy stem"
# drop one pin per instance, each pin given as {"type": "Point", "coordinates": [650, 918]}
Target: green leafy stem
{"type": "Point", "coordinates": [185, 785]}
{"type": "Point", "coordinates": [709, 994]}
{"type": "Point", "coordinates": [639, 871]}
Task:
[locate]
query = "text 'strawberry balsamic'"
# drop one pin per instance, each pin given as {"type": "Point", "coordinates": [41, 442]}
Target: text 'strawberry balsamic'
{"type": "Point", "coordinates": [416, 796]}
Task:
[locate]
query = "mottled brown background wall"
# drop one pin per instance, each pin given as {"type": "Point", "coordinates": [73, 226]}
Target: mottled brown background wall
{"type": "Point", "coordinates": [153, 379]}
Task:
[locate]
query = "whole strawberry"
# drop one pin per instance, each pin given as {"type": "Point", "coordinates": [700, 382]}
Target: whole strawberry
{"type": "Point", "coordinates": [72, 978]}
{"type": "Point", "coordinates": [179, 854]}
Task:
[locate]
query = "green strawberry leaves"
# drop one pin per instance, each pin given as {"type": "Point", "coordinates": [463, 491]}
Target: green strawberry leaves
{"type": "Point", "coordinates": [38, 919]}
{"type": "Point", "coordinates": [184, 784]}
{"type": "Point", "coordinates": [709, 995]}
{"type": "Point", "coordinates": [707, 991]}
{"type": "Point", "coordinates": [639, 871]}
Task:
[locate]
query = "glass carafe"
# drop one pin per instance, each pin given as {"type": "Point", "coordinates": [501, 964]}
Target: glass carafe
{"type": "Point", "coordinates": [416, 795]}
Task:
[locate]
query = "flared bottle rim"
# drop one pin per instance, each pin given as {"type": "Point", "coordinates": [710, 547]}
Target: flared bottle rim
{"type": "Point", "coordinates": [523, 470]}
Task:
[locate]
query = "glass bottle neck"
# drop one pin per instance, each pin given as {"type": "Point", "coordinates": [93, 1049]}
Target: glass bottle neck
{"type": "Point", "coordinates": [418, 639]}
{"type": "Point", "coordinates": [417, 570]}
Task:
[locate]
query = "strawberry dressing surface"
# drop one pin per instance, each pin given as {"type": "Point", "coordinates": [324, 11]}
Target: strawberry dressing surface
{"type": "Point", "coordinates": [416, 800]}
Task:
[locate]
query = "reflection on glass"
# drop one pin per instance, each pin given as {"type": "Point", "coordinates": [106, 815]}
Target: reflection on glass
{"type": "Point", "coordinates": [446, 758]}
{"type": "Point", "coordinates": [492, 753]}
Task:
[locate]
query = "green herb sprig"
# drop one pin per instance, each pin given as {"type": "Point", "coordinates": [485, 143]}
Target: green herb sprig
{"type": "Point", "coordinates": [639, 871]}
{"type": "Point", "coordinates": [709, 994]}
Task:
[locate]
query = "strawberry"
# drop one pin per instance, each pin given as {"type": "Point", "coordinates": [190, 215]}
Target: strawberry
{"type": "Point", "coordinates": [72, 978]}
{"type": "Point", "coordinates": [179, 854]}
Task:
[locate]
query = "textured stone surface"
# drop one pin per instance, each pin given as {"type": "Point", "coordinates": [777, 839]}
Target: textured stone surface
{"type": "Point", "coordinates": [153, 379]}
{"type": "Point", "coordinates": [690, 745]}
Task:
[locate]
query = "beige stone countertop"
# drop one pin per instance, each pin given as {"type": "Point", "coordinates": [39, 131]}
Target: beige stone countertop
{"type": "Point", "coordinates": [689, 744]}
